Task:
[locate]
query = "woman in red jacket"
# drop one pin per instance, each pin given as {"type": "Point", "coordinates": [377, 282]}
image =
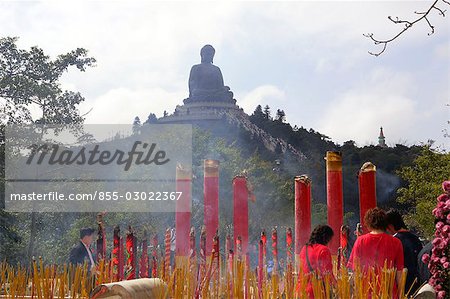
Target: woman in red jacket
{"type": "Point", "coordinates": [377, 247]}
{"type": "Point", "coordinates": [315, 256]}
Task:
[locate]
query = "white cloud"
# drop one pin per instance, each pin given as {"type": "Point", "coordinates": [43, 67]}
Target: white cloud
{"type": "Point", "coordinates": [442, 51]}
{"type": "Point", "coordinates": [261, 95]}
{"type": "Point", "coordinates": [122, 105]}
{"type": "Point", "coordinates": [384, 100]}
{"type": "Point", "coordinates": [358, 117]}
{"type": "Point", "coordinates": [323, 65]}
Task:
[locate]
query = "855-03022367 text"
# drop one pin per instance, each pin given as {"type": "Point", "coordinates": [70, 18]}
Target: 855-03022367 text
{"type": "Point", "coordinates": [98, 195]}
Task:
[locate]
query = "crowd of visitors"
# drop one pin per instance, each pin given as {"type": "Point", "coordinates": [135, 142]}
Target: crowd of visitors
{"type": "Point", "coordinates": [389, 242]}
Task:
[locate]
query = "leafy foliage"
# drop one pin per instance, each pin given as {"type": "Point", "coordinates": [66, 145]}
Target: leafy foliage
{"type": "Point", "coordinates": [151, 119]}
{"type": "Point", "coordinates": [30, 78]}
{"type": "Point", "coordinates": [30, 92]}
{"type": "Point", "coordinates": [424, 179]}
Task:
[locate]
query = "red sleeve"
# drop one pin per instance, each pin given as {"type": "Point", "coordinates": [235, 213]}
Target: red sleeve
{"type": "Point", "coordinates": [353, 254]}
{"type": "Point", "coordinates": [399, 262]}
{"type": "Point", "coordinates": [325, 262]}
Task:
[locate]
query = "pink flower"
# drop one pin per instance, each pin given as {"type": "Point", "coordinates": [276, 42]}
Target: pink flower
{"type": "Point", "coordinates": [438, 213]}
{"type": "Point", "coordinates": [435, 252]}
{"type": "Point", "coordinates": [438, 262]}
{"type": "Point", "coordinates": [426, 258]}
{"type": "Point", "coordinates": [446, 186]}
{"type": "Point", "coordinates": [443, 198]}
{"type": "Point", "coordinates": [437, 241]}
{"type": "Point", "coordinates": [432, 281]}
{"type": "Point", "coordinates": [436, 275]}
{"type": "Point", "coordinates": [434, 261]}
{"type": "Point", "coordinates": [447, 205]}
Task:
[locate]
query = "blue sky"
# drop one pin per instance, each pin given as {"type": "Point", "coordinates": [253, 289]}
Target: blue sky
{"type": "Point", "coordinates": [308, 58]}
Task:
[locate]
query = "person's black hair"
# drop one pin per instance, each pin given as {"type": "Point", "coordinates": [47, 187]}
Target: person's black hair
{"type": "Point", "coordinates": [86, 231]}
{"type": "Point", "coordinates": [321, 234]}
{"type": "Point", "coordinates": [394, 217]}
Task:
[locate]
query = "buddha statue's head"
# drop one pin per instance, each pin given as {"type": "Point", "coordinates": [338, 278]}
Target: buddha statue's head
{"type": "Point", "coordinates": [207, 54]}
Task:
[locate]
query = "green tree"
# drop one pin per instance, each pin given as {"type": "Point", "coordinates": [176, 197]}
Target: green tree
{"type": "Point", "coordinates": [30, 80]}
{"type": "Point", "coordinates": [151, 119]}
{"type": "Point", "coordinates": [136, 125]}
{"type": "Point", "coordinates": [258, 112]}
{"type": "Point", "coordinates": [424, 179]}
{"type": "Point", "coordinates": [267, 112]}
{"type": "Point", "coordinates": [281, 116]}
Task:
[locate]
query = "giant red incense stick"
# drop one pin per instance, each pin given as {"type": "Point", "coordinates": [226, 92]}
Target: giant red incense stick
{"type": "Point", "coordinates": [202, 256]}
{"type": "Point", "coordinates": [264, 245]}
{"type": "Point", "coordinates": [143, 262]}
{"type": "Point", "coordinates": [203, 245]}
{"type": "Point", "coordinates": [166, 268]}
{"type": "Point", "coordinates": [192, 252]}
{"type": "Point", "coordinates": [130, 268]}
{"type": "Point", "coordinates": [288, 246]}
{"type": "Point", "coordinates": [238, 247]}
{"type": "Point", "coordinates": [335, 204]}
{"type": "Point", "coordinates": [155, 255]}
{"type": "Point", "coordinates": [289, 265]}
{"type": "Point", "coordinates": [101, 238]}
{"type": "Point", "coordinates": [115, 255]}
{"type": "Point", "coordinates": [240, 212]}
{"type": "Point", "coordinates": [367, 191]}
{"type": "Point", "coordinates": [302, 213]}
{"type": "Point", "coordinates": [228, 260]}
{"type": "Point", "coordinates": [216, 256]}
{"type": "Point", "coordinates": [343, 249]}
{"type": "Point", "coordinates": [275, 250]}
{"type": "Point", "coordinates": [275, 274]}
{"type": "Point", "coordinates": [228, 246]}
{"type": "Point", "coordinates": [121, 259]}
{"type": "Point", "coordinates": [260, 268]}
{"type": "Point", "coordinates": [211, 201]}
{"type": "Point", "coordinates": [183, 215]}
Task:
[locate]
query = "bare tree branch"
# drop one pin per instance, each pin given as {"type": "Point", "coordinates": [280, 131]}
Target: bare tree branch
{"type": "Point", "coordinates": [441, 12]}
{"type": "Point", "coordinates": [407, 25]}
{"type": "Point", "coordinates": [431, 26]}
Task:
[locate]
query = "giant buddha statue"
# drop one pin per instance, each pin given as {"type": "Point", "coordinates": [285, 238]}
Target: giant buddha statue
{"type": "Point", "coordinates": [206, 81]}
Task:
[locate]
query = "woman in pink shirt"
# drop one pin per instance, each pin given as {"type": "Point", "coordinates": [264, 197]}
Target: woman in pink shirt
{"type": "Point", "coordinates": [315, 256]}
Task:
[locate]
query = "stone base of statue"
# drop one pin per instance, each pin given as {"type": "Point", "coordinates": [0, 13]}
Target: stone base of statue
{"type": "Point", "coordinates": [223, 95]}
{"type": "Point", "coordinates": [194, 111]}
